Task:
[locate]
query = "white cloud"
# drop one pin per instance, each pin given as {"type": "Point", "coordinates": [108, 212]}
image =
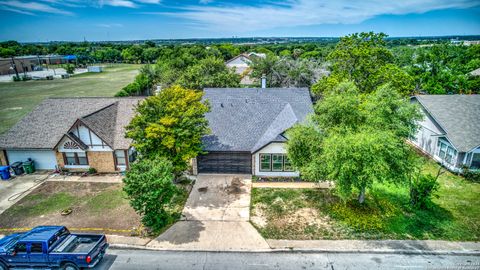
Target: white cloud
{"type": "Point", "coordinates": [149, 1]}
{"type": "Point", "coordinates": [30, 7]}
{"type": "Point", "coordinates": [59, 6]}
{"type": "Point", "coordinates": [118, 3]}
{"type": "Point", "coordinates": [242, 18]}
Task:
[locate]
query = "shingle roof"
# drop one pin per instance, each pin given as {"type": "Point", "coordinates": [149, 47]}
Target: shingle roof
{"type": "Point", "coordinates": [246, 119]}
{"type": "Point", "coordinates": [458, 116]}
{"type": "Point", "coordinates": [50, 120]}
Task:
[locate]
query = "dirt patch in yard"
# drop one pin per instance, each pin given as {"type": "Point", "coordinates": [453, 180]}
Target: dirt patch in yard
{"type": "Point", "coordinates": [94, 206]}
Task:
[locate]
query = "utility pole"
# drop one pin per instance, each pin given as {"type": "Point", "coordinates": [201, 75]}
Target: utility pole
{"type": "Point", "coordinates": [14, 66]}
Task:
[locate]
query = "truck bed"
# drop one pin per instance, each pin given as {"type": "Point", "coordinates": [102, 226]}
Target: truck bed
{"type": "Point", "coordinates": [77, 244]}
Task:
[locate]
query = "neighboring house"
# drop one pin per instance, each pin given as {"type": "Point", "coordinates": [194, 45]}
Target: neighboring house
{"type": "Point", "coordinates": [248, 130]}
{"type": "Point", "coordinates": [73, 133]}
{"type": "Point", "coordinates": [241, 65]}
{"type": "Point", "coordinates": [450, 131]}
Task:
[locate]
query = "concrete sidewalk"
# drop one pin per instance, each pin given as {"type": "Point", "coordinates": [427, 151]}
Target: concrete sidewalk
{"type": "Point", "coordinates": [292, 184]}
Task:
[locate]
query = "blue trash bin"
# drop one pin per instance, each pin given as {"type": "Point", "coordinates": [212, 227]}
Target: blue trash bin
{"type": "Point", "coordinates": [5, 172]}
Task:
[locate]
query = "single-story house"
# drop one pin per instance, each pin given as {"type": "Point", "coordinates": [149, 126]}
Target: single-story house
{"type": "Point", "coordinates": [73, 133]}
{"type": "Point", "coordinates": [248, 130]}
{"type": "Point", "coordinates": [450, 130]}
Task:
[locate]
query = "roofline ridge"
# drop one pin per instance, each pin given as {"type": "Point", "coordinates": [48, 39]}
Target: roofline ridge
{"type": "Point", "coordinates": [287, 106]}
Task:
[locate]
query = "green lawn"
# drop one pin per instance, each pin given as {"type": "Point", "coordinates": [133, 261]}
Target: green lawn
{"type": "Point", "coordinates": [319, 214]}
{"type": "Point", "coordinates": [19, 98]}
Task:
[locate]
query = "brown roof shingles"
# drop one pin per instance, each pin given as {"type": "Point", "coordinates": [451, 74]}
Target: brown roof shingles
{"type": "Point", "coordinates": [50, 120]}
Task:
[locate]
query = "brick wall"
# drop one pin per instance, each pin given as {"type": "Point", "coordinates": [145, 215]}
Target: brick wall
{"type": "Point", "coordinates": [60, 161]}
{"type": "Point", "coordinates": [101, 161]}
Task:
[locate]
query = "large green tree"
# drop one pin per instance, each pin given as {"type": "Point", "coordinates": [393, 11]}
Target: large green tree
{"type": "Point", "coordinates": [208, 72]}
{"type": "Point", "coordinates": [364, 59]}
{"type": "Point", "coordinates": [150, 188]}
{"type": "Point", "coordinates": [170, 125]}
{"type": "Point", "coordinates": [356, 139]}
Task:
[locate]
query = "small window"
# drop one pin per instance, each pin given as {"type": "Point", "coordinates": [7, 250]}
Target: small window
{"type": "Point", "coordinates": [82, 158]}
{"type": "Point", "coordinates": [475, 161]}
{"type": "Point", "coordinates": [21, 248]}
{"type": "Point", "coordinates": [265, 160]}
{"type": "Point", "coordinates": [120, 155]}
{"type": "Point", "coordinates": [70, 157]}
{"type": "Point", "coordinates": [277, 162]}
{"type": "Point", "coordinates": [36, 248]}
{"type": "Point", "coordinates": [287, 166]}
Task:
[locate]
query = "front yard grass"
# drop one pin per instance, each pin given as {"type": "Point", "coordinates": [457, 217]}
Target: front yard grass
{"type": "Point", "coordinates": [94, 205]}
{"type": "Point", "coordinates": [319, 214]}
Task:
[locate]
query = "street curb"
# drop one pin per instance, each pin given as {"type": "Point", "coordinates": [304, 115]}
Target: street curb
{"type": "Point", "coordinates": [309, 251]}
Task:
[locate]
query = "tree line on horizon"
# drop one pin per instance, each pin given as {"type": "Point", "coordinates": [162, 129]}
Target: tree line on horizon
{"type": "Point", "coordinates": [428, 66]}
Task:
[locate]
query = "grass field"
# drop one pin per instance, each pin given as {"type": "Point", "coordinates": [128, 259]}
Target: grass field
{"type": "Point", "coordinates": [387, 214]}
{"type": "Point", "coordinates": [19, 98]}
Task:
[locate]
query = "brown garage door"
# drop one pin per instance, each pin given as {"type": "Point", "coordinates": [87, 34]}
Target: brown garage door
{"type": "Point", "coordinates": [225, 162]}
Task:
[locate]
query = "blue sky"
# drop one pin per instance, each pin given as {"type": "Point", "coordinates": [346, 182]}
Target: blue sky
{"type": "Point", "coordinates": [74, 20]}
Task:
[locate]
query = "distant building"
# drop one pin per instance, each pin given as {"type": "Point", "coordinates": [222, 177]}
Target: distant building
{"type": "Point", "coordinates": [28, 63]}
{"type": "Point", "coordinates": [241, 65]}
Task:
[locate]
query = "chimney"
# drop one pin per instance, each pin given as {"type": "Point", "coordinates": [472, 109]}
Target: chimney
{"type": "Point", "coordinates": [264, 81]}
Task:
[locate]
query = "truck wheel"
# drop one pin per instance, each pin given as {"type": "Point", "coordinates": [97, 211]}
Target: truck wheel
{"type": "Point", "coordinates": [70, 266]}
{"type": "Point", "coordinates": [3, 266]}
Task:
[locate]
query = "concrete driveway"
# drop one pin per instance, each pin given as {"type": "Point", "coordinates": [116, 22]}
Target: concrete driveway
{"type": "Point", "coordinates": [215, 217]}
{"type": "Point", "coordinates": [219, 197]}
{"type": "Point", "coordinates": [11, 191]}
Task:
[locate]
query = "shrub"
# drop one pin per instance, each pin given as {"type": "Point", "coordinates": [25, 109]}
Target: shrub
{"type": "Point", "coordinates": [149, 186]}
{"type": "Point", "coordinates": [422, 188]}
{"type": "Point", "coordinates": [92, 170]}
{"type": "Point", "coordinates": [470, 175]}
{"type": "Point", "coordinates": [69, 68]}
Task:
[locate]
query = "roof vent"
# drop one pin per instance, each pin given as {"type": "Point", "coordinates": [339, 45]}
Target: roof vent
{"type": "Point", "coordinates": [221, 105]}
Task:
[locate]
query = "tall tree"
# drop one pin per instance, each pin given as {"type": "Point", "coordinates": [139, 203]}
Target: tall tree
{"type": "Point", "coordinates": [356, 140]}
{"type": "Point", "coordinates": [364, 59]}
{"type": "Point", "coordinates": [170, 125]}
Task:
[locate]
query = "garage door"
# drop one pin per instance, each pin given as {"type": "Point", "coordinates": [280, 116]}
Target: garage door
{"type": "Point", "coordinates": [43, 159]}
{"type": "Point", "coordinates": [225, 162]}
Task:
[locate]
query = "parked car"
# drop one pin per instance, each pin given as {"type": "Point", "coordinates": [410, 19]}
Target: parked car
{"type": "Point", "coordinates": [52, 246]}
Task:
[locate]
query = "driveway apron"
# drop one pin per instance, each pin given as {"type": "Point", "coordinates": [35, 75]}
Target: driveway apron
{"type": "Point", "coordinates": [215, 217]}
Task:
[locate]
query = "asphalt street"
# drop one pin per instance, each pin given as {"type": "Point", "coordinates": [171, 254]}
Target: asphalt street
{"type": "Point", "coordinates": [146, 259]}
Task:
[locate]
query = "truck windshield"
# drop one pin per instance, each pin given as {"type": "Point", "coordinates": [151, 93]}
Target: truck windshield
{"type": "Point", "coordinates": [59, 235]}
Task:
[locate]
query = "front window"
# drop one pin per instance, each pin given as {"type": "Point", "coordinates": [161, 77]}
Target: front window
{"type": "Point", "coordinates": [275, 163]}
{"type": "Point", "coordinates": [475, 161]}
{"type": "Point", "coordinates": [120, 156]}
{"type": "Point", "coordinates": [265, 162]}
{"type": "Point", "coordinates": [287, 166]}
{"type": "Point", "coordinates": [75, 158]}
{"type": "Point", "coordinates": [446, 152]}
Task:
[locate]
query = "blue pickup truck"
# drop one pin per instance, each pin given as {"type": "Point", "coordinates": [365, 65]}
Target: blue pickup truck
{"type": "Point", "coordinates": [51, 247]}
